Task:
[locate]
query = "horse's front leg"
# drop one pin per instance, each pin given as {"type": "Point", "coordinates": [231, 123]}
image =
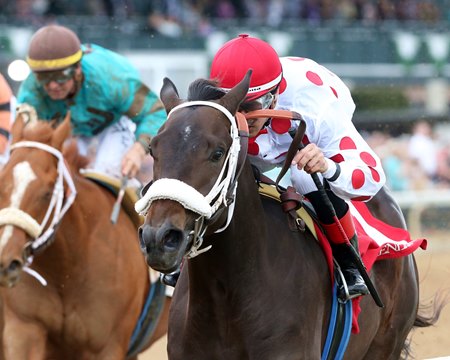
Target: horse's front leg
{"type": "Point", "coordinates": [23, 340]}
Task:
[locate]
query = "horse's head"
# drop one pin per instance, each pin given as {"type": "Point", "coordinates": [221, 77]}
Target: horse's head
{"type": "Point", "coordinates": [196, 153]}
{"type": "Point", "coordinates": [32, 192]}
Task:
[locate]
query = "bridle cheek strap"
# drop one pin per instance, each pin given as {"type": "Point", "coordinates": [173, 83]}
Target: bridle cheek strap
{"type": "Point", "coordinates": [231, 195]}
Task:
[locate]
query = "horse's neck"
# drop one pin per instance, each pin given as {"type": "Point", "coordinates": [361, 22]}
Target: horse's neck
{"type": "Point", "coordinates": [83, 208]}
{"type": "Point", "coordinates": [249, 216]}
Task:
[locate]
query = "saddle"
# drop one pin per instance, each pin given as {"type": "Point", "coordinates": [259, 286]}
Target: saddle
{"type": "Point", "coordinates": [291, 203]}
{"type": "Point", "coordinates": [112, 184]}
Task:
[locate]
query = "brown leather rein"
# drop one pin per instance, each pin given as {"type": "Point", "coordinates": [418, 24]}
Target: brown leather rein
{"type": "Point", "coordinates": [297, 140]}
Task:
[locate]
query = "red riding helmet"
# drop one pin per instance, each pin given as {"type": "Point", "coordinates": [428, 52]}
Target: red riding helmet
{"type": "Point", "coordinates": [53, 48]}
{"type": "Point", "coordinates": [237, 56]}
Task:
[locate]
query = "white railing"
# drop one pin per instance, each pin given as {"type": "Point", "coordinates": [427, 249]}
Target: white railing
{"type": "Point", "coordinates": [415, 201]}
{"type": "Point", "coordinates": [419, 200]}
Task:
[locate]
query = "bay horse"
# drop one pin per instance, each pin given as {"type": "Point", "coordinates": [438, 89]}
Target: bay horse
{"type": "Point", "coordinates": [90, 281]}
{"type": "Point", "coordinates": [256, 290]}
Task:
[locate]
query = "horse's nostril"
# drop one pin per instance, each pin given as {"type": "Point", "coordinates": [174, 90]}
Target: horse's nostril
{"type": "Point", "coordinates": [141, 238]}
{"type": "Point", "coordinates": [14, 266]}
{"type": "Point", "coordinates": [173, 239]}
{"type": "Point", "coordinates": [151, 238]}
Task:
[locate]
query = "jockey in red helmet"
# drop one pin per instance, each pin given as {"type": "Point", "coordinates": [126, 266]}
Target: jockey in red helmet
{"type": "Point", "coordinates": [347, 166]}
{"type": "Point", "coordinates": [234, 59]}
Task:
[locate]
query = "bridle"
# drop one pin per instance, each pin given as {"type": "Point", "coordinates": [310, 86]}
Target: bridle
{"type": "Point", "coordinates": [223, 193]}
{"type": "Point", "coordinates": [60, 202]}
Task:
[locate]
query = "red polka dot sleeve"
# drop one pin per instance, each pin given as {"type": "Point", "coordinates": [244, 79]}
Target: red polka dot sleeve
{"type": "Point", "coordinates": [327, 107]}
{"type": "Point", "coordinates": [361, 174]}
{"type": "Point", "coordinates": [326, 104]}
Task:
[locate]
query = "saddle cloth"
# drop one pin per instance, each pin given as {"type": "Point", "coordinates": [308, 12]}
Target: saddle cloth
{"type": "Point", "coordinates": [112, 184]}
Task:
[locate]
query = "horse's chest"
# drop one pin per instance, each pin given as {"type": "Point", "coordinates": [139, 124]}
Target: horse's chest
{"type": "Point", "coordinates": [66, 319]}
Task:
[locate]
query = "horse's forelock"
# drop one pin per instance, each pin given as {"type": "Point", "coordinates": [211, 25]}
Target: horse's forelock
{"type": "Point", "coordinates": [203, 89]}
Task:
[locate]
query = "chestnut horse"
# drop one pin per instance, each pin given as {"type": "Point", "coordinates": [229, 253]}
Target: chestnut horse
{"type": "Point", "coordinates": [90, 281]}
{"type": "Point", "coordinates": [256, 290]}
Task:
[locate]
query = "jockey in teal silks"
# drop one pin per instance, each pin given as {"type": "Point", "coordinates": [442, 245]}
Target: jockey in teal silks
{"type": "Point", "coordinates": [110, 106]}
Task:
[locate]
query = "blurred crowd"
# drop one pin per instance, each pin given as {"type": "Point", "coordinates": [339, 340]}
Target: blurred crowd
{"type": "Point", "coordinates": [175, 17]}
{"type": "Point", "coordinates": [416, 161]}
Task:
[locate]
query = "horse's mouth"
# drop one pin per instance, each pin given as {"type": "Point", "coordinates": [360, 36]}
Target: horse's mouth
{"type": "Point", "coordinates": [162, 267]}
{"type": "Point", "coordinates": [164, 247]}
{"type": "Point", "coordinates": [10, 275]}
{"type": "Point", "coordinates": [9, 280]}
{"type": "Point", "coordinates": [167, 269]}
{"type": "Point", "coordinates": [165, 258]}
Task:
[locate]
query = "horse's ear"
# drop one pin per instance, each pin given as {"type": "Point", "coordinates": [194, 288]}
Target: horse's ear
{"type": "Point", "coordinates": [25, 114]}
{"type": "Point", "coordinates": [62, 132]}
{"type": "Point", "coordinates": [236, 95]}
{"type": "Point", "coordinates": [17, 128]}
{"type": "Point", "coordinates": [169, 95]}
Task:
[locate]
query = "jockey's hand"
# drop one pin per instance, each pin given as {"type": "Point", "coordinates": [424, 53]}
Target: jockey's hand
{"type": "Point", "coordinates": [132, 161]}
{"type": "Point", "coordinates": [310, 159]}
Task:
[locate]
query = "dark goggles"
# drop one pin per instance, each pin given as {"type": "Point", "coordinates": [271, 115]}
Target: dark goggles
{"type": "Point", "coordinates": [59, 76]}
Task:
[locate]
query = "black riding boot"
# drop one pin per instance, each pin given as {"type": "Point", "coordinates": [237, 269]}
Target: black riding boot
{"type": "Point", "coordinates": [355, 283]}
{"type": "Point", "coordinates": [342, 253]}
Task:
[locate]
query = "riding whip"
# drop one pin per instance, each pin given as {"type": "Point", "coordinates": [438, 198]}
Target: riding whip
{"type": "Point", "coordinates": [355, 256]}
{"type": "Point", "coordinates": [118, 203]}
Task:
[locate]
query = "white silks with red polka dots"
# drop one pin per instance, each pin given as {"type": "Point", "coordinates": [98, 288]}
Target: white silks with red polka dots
{"type": "Point", "coordinates": [326, 105]}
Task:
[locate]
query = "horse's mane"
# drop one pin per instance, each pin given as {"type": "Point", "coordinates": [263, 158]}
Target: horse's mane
{"type": "Point", "coordinates": [73, 157]}
{"type": "Point", "coordinates": [208, 90]}
{"type": "Point", "coordinates": [203, 89]}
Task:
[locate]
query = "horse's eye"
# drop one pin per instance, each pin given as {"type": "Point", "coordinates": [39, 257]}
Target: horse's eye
{"type": "Point", "coordinates": [217, 154]}
{"type": "Point", "coordinates": [47, 196]}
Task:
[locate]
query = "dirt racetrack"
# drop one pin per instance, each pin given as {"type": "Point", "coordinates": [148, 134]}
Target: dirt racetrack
{"type": "Point", "coordinates": [434, 270]}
